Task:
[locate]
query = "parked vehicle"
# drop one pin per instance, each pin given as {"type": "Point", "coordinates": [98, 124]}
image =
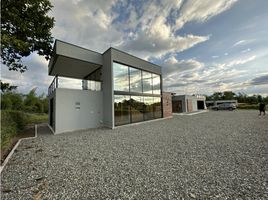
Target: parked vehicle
{"type": "Point", "coordinates": [224, 106]}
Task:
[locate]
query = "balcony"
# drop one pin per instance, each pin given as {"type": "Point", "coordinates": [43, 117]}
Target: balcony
{"type": "Point", "coordinates": [72, 83]}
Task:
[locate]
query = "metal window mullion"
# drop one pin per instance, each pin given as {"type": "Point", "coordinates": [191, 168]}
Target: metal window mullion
{"type": "Point", "coordinates": [130, 113]}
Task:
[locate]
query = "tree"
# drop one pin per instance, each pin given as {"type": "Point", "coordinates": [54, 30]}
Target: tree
{"type": "Point", "coordinates": [241, 97]}
{"type": "Point", "coordinates": [228, 95]}
{"type": "Point", "coordinates": [252, 99]}
{"type": "Point", "coordinates": [6, 87]}
{"type": "Point", "coordinates": [217, 96]}
{"type": "Point", "coordinates": [12, 101]}
{"type": "Point", "coordinates": [25, 28]}
{"type": "Point", "coordinates": [260, 99]}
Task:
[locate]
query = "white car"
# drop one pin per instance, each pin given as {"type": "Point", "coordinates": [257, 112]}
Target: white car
{"type": "Point", "coordinates": [225, 106]}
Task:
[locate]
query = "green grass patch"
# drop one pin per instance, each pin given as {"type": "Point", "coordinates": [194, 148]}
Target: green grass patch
{"type": "Point", "coordinates": [37, 118]}
{"type": "Point", "coordinates": [13, 122]}
{"type": "Point", "coordinates": [248, 106]}
{"type": "Point", "coordinates": [8, 129]}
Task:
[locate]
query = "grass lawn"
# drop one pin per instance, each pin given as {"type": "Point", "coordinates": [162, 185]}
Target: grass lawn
{"type": "Point", "coordinates": [37, 118]}
{"type": "Point", "coordinates": [16, 125]}
{"type": "Point", "coordinates": [245, 106]}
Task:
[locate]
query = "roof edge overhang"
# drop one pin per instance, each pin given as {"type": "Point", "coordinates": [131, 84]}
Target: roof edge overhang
{"type": "Point", "coordinates": [73, 61]}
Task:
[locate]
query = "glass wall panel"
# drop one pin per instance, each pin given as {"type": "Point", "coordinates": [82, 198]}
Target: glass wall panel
{"type": "Point", "coordinates": [137, 105]}
{"type": "Point", "coordinates": [121, 78]}
{"type": "Point", "coordinates": [70, 83]}
{"type": "Point", "coordinates": [129, 108]}
{"type": "Point", "coordinates": [148, 108]}
{"type": "Point", "coordinates": [156, 84]}
{"type": "Point", "coordinates": [135, 80]}
{"type": "Point", "coordinates": [121, 109]}
{"type": "Point", "coordinates": [147, 82]}
{"type": "Point", "coordinates": [157, 107]}
{"type": "Point", "coordinates": [93, 85]}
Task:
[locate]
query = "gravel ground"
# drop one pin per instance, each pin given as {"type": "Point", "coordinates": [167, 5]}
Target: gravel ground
{"type": "Point", "coordinates": [213, 155]}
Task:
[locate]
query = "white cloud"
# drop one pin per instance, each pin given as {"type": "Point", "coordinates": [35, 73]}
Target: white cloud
{"type": "Point", "coordinates": [239, 61]}
{"type": "Point", "coordinates": [172, 66]}
{"type": "Point", "coordinates": [215, 56]}
{"type": "Point", "coordinates": [146, 33]}
{"type": "Point", "coordinates": [35, 77]}
{"type": "Point", "coordinates": [201, 78]}
{"type": "Point", "coordinates": [246, 50]}
{"type": "Point", "coordinates": [239, 42]}
{"type": "Point", "coordinates": [86, 23]}
{"type": "Point", "coordinates": [201, 11]}
{"type": "Point", "coordinates": [243, 42]}
{"type": "Point", "coordinates": [151, 45]}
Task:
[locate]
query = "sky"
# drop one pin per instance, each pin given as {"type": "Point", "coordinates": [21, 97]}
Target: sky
{"type": "Point", "coordinates": [202, 46]}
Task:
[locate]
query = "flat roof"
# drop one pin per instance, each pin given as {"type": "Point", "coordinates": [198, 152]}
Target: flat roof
{"type": "Point", "coordinates": [73, 61]}
{"type": "Point", "coordinates": [198, 97]}
{"type": "Point", "coordinates": [69, 60]}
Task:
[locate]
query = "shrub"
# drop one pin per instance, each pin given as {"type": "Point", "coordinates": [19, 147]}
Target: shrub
{"type": "Point", "coordinates": [11, 100]}
{"type": "Point", "coordinates": [248, 106]}
{"type": "Point", "coordinates": [6, 103]}
{"type": "Point", "coordinates": [8, 128]}
{"type": "Point", "coordinates": [19, 117]}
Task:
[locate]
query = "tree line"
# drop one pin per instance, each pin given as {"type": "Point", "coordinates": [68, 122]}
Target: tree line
{"type": "Point", "coordinates": [31, 102]}
{"type": "Point", "coordinates": [240, 97]}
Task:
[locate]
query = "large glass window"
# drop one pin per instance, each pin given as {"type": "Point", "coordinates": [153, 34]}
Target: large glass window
{"type": "Point", "coordinates": [148, 108]}
{"type": "Point", "coordinates": [121, 78]}
{"type": "Point", "coordinates": [137, 95]}
{"type": "Point", "coordinates": [157, 107]}
{"type": "Point", "coordinates": [137, 105]}
{"type": "Point", "coordinates": [156, 84]}
{"type": "Point", "coordinates": [121, 109]}
{"type": "Point", "coordinates": [147, 82]}
{"type": "Point", "coordinates": [135, 80]}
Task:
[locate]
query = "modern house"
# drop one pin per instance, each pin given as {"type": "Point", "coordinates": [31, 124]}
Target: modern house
{"type": "Point", "coordinates": [116, 89]}
{"type": "Point", "coordinates": [187, 103]}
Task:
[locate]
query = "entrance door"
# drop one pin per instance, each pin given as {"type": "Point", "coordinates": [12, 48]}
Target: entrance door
{"type": "Point", "coordinates": [200, 105]}
{"type": "Point", "coordinates": [177, 106]}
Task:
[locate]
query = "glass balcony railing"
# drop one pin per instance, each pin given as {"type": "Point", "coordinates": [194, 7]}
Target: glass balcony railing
{"type": "Point", "coordinates": [71, 83]}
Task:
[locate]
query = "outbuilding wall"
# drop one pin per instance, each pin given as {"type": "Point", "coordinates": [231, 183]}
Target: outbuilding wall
{"type": "Point", "coordinates": [167, 104]}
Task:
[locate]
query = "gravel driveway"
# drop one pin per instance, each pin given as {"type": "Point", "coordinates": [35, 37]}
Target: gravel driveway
{"type": "Point", "coordinates": [213, 155]}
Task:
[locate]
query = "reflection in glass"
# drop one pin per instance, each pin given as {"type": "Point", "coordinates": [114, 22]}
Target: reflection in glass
{"type": "Point", "coordinates": [129, 108]}
{"type": "Point", "coordinates": [148, 108]}
{"type": "Point", "coordinates": [157, 107]}
{"type": "Point", "coordinates": [121, 110]}
{"type": "Point", "coordinates": [137, 105]}
{"type": "Point", "coordinates": [135, 80]}
{"type": "Point", "coordinates": [121, 80]}
{"type": "Point", "coordinates": [70, 83]}
{"type": "Point", "coordinates": [147, 82]}
{"type": "Point", "coordinates": [156, 84]}
{"type": "Point", "coordinates": [94, 85]}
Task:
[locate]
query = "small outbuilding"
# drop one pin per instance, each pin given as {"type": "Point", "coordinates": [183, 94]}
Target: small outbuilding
{"type": "Point", "coordinates": [188, 103]}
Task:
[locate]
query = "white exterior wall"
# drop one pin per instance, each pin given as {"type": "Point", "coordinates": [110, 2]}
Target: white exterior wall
{"type": "Point", "coordinates": [69, 117]}
{"type": "Point", "coordinates": [194, 102]}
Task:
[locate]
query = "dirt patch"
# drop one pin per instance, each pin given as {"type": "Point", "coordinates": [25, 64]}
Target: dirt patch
{"type": "Point", "coordinates": [27, 132]}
